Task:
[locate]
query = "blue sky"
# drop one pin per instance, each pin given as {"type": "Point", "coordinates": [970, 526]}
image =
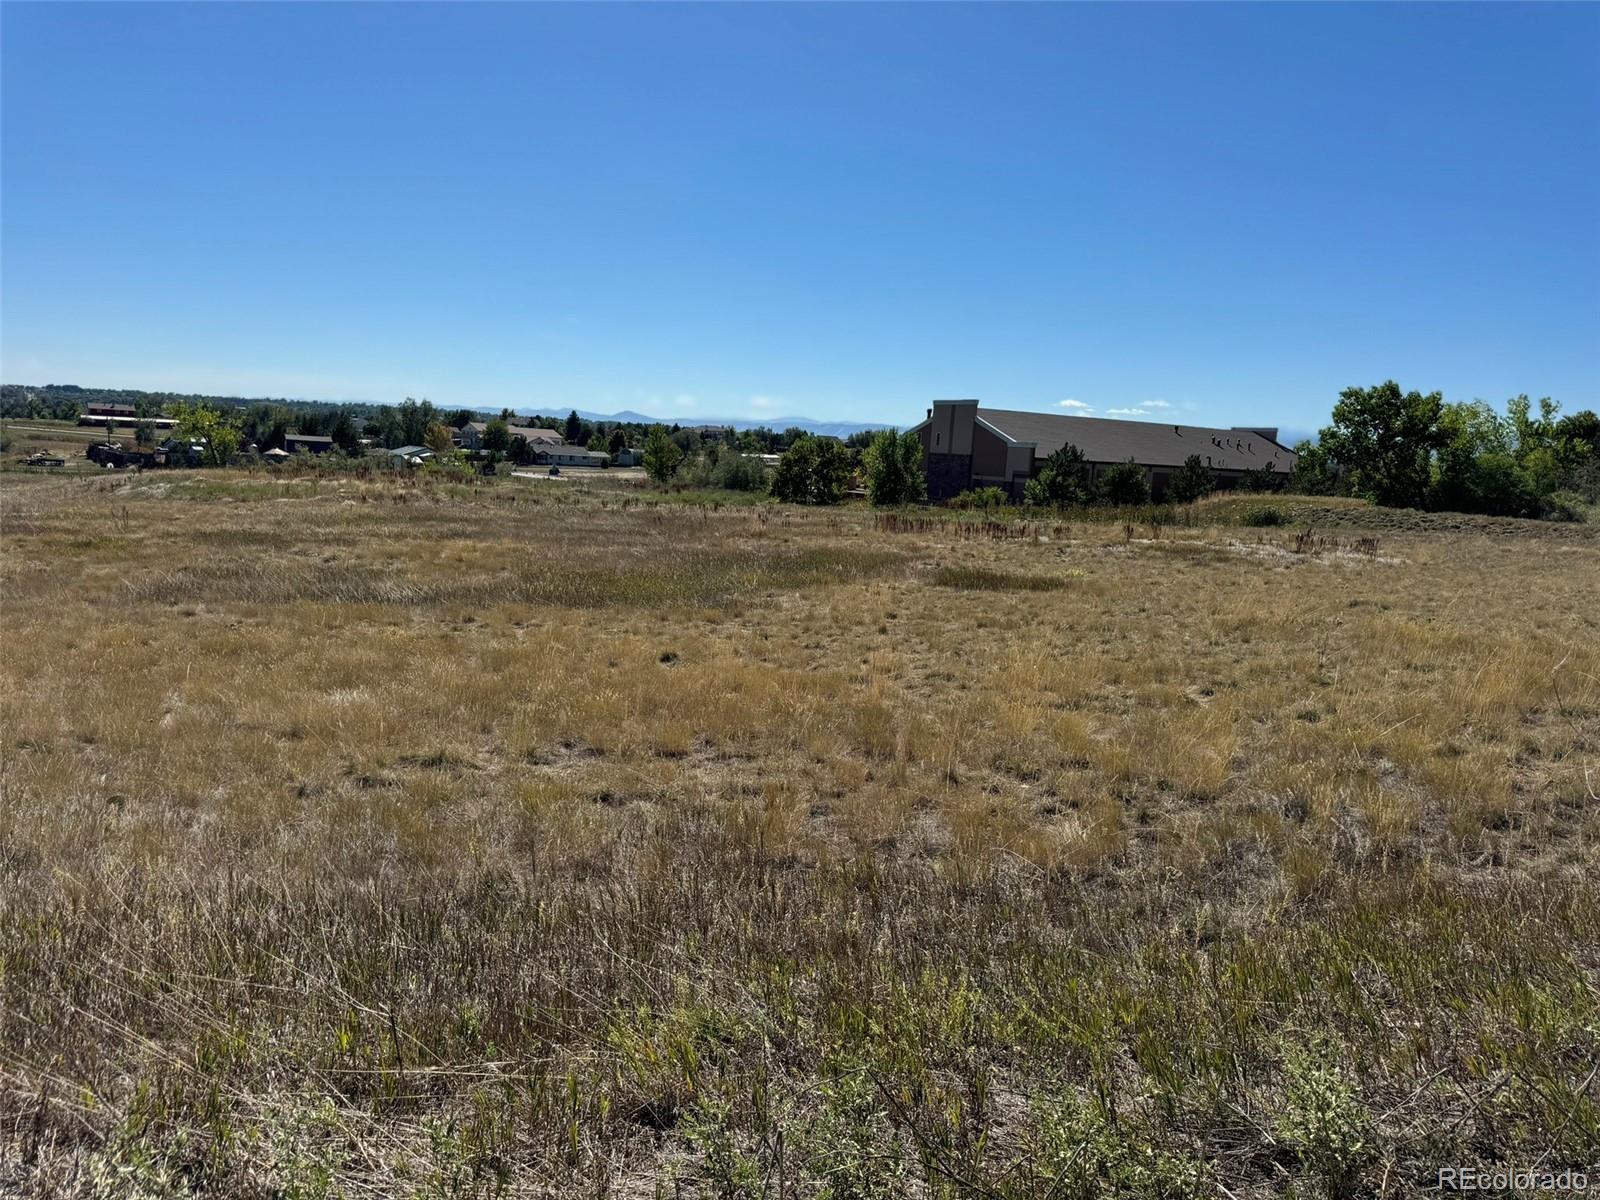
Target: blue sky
{"type": "Point", "coordinates": [834, 211]}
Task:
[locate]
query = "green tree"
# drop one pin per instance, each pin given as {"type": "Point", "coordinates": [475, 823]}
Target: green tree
{"type": "Point", "coordinates": [661, 455]}
{"type": "Point", "coordinates": [1125, 483]}
{"type": "Point", "coordinates": [214, 428]}
{"type": "Point", "coordinates": [813, 470]}
{"type": "Point", "coordinates": [497, 436]}
{"type": "Point", "coordinates": [574, 428]}
{"type": "Point", "coordinates": [1383, 441]}
{"type": "Point", "coordinates": [437, 438]}
{"type": "Point", "coordinates": [265, 425]}
{"type": "Point", "coordinates": [414, 417]}
{"type": "Point", "coordinates": [1314, 474]}
{"type": "Point", "coordinates": [893, 465]}
{"type": "Point", "coordinates": [791, 479]}
{"type": "Point", "coordinates": [618, 442]}
{"type": "Point", "coordinates": [1191, 481]}
{"type": "Point", "coordinates": [1578, 436]}
{"type": "Point", "coordinates": [1062, 481]}
{"type": "Point", "coordinates": [342, 429]}
{"type": "Point", "coordinates": [830, 471]}
{"type": "Point", "coordinates": [1475, 467]}
{"type": "Point", "coordinates": [145, 408]}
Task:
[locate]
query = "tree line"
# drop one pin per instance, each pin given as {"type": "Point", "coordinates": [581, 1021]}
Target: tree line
{"type": "Point", "coordinates": [266, 421]}
{"type": "Point", "coordinates": [812, 469]}
{"type": "Point", "coordinates": [1411, 450]}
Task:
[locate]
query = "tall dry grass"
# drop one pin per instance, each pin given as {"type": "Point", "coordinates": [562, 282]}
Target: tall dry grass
{"type": "Point", "coordinates": [384, 838]}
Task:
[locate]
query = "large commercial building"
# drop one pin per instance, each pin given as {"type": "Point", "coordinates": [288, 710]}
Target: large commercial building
{"type": "Point", "coordinates": [965, 446]}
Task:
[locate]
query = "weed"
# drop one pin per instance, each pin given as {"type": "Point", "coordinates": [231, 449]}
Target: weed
{"type": "Point", "coordinates": [853, 1148]}
{"type": "Point", "coordinates": [1083, 1155]}
{"type": "Point", "coordinates": [1322, 1116]}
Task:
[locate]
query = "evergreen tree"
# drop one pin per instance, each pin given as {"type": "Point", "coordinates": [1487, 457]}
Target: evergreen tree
{"type": "Point", "coordinates": [1191, 481]}
{"type": "Point", "coordinates": [1062, 481]}
{"type": "Point", "coordinates": [1125, 483]}
{"type": "Point", "coordinates": [661, 455]}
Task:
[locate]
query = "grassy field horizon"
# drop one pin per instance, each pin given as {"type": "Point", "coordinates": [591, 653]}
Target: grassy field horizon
{"type": "Point", "coordinates": [396, 836]}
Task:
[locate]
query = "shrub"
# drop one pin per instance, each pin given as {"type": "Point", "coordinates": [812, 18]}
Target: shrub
{"type": "Point", "coordinates": [1262, 479]}
{"type": "Point", "coordinates": [1062, 481]}
{"type": "Point", "coordinates": [1087, 1157]}
{"type": "Point", "coordinates": [1570, 506]}
{"type": "Point", "coordinates": [852, 1141]}
{"type": "Point", "coordinates": [984, 497]}
{"type": "Point", "coordinates": [1263, 515]}
{"type": "Point", "coordinates": [709, 1127]}
{"type": "Point", "coordinates": [1125, 483]}
{"type": "Point", "coordinates": [739, 473]}
{"type": "Point", "coordinates": [1323, 1118]}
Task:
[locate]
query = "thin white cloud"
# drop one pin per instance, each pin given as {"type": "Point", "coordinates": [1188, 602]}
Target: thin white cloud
{"type": "Point", "coordinates": [1076, 405]}
{"type": "Point", "coordinates": [760, 401]}
{"type": "Point", "coordinates": [1127, 412]}
{"type": "Point", "coordinates": [1154, 404]}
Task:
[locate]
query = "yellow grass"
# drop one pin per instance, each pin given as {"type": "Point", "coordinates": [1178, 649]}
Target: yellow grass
{"type": "Point", "coordinates": [383, 697]}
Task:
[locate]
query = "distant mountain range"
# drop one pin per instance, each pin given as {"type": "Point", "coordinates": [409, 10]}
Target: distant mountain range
{"type": "Point", "coordinates": [838, 429]}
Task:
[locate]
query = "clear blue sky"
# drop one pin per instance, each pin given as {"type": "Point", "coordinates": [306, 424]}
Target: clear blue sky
{"type": "Point", "coordinates": [835, 211]}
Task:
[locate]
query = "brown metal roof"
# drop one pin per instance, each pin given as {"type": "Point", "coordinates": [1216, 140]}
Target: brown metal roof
{"type": "Point", "coordinates": [1148, 443]}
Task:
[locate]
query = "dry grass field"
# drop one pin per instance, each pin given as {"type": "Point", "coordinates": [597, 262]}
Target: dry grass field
{"type": "Point", "coordinates": [381, 838]}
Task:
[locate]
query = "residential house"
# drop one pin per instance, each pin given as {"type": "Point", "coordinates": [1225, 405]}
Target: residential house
{"type": "Point", "coordinates": [570, 456]}
{"type": "Point", "coordinates": [472, 435]}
